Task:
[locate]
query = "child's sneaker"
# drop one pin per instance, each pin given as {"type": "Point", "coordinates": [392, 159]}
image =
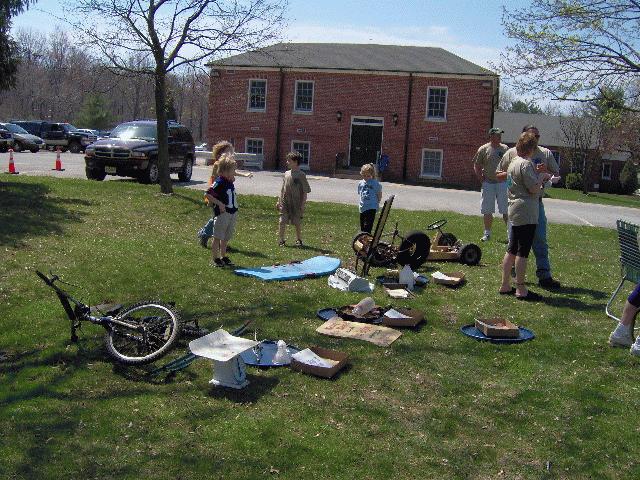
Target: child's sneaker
{"type": "Point", "coordinates": [217, 262]}
{"type": "Point", "coordinates": [620, 339]}
{"type": "Point", "coordinates": [227, 261]}
{"type": "Point", "coordinates": [299, 243]}
{"type": "Point", "coordinates": [485, 237]}
{"type": "Point", "coordinates": [635, 348]}
{"type": "Point", "coordinates": [281, 243]}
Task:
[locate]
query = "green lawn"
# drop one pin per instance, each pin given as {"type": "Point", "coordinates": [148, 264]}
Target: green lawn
{"type": "Point", "coordinates": [594, 197]}
{"type": "Point", "coordinates": [435, 404]}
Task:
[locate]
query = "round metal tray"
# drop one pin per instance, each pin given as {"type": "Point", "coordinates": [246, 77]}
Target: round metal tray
{"type": "Point", "coordinates": [262, 354]}
{"type": "Point", "coordinates": [471, 331]}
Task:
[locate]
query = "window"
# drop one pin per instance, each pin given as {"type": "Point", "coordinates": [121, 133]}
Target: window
{"type": "Point", "coordinates": [254, 145]}
{"type": "Point", "coordinates": [431, 163]}
{"type": "Point", "coordinates": [304, 149]}
{"type": "Point", "coordinates": [437, 104]}
{"type": "Point", "coordinates": [304, 97]}
{"type": "Point", "coordinates": [556, 155]}
{"type": "Point", "coordinates": [606, 171]}
{"type": "Point", "coordinates": [257, 96]}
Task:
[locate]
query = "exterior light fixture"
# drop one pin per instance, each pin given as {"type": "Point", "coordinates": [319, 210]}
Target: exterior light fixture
{"type": "Point", "coordinates": [394, 117]}
{"type": "Point", "coordinates": [339, 116]}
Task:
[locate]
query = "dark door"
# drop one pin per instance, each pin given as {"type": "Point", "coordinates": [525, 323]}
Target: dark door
{"type": "Point", "coordinates": [366, 141]}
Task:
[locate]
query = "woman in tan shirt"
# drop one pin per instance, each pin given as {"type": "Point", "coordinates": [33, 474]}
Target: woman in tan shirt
{"type": "Point", "coordinates": [524, 194]}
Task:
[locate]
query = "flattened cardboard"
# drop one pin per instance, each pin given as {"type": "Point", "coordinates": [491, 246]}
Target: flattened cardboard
{"type": "Point", "coordinates": [415, 317]}
{"type": "Point", "coordinates": [335, 355]}
{"type": "Point", "coordinates": [381, 336]}
{"type": "Point", "coordinates": [497, 328]}
{"type": "Point", "coordinates": [456, 278]}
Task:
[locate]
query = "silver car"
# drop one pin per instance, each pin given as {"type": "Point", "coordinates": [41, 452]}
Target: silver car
{"type": "Point", "coordinates": [23, 140]}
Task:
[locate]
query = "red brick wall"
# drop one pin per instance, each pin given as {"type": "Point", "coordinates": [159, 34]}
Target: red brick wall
{"type": "Point", "coordinates": [468, 118]}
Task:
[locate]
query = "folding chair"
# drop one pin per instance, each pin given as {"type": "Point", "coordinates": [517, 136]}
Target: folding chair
{"type": "Point", "coordinates": [629, 259]}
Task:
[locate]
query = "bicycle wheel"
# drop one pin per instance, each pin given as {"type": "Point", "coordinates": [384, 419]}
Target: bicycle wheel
{"type": "Point", "coordinates": [155, 328]}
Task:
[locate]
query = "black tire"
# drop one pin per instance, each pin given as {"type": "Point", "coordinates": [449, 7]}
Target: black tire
{"type": "Point", "coordinates": [34, 150]}
{"type": "Point", "coordinates": [414, 249]}
{"type": "Point", "coordinates": [470, 254]}
{"type": "Point", "coordinates": [95, 173]}
{"type": "Point", "coordinates": [184, 175]}
{"type": "Point", "coordinates": [158, 328]}
{"type": "Point", "coordinates": [75, 147]}
{"type": "Point", "coordinates": [18, 147]}
{"type": "Point", "coordinates": [152, 173]}
{"type": "Point", "coordinates": [447, 240]}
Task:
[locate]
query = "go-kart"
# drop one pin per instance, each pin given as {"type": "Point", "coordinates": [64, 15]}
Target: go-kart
{"type": "Point", "coordinates": [445, 246]}
{"type": "Point", "coordinates": [412, 250]}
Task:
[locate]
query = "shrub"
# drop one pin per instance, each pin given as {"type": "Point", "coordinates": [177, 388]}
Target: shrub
{"type": "Point", "coordinates": [574, 181]}
{"type": "Point", "coordinates": [629, 177]}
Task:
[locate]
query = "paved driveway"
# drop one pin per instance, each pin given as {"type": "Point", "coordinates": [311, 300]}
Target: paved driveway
{"type": "Point", "coordinates": [344, 191]}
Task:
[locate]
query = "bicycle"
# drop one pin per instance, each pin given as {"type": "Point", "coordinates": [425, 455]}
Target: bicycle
{"type": "Point", "coordinates": [136, 335]}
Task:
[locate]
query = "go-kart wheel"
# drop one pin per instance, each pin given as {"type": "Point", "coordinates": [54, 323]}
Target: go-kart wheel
{"type": "Point", "coordinates": [470, 254]}
{"type": "Point", "coordinates": [437, 225]}
{"type": "Point", "coordinates": [360, 244]}
{"type": "Point", "coordinates": [447, 240]}
{"type": "Point", "coordinates": [414, 249]}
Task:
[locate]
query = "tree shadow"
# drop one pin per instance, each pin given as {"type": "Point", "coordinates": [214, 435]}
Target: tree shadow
{"type": "Point", "coordinates": [27, 209]}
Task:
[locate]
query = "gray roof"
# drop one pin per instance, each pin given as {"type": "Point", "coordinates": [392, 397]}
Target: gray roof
{"type": "Point", "coordinates": [349, 56]}
{"type": "Point", "coordinates": [549, 126]}
{"type": "Point", "coordinates": [512, 123]}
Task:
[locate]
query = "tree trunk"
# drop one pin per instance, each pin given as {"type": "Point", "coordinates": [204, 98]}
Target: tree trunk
{"type": "Point", "coordinates": [163, 143]}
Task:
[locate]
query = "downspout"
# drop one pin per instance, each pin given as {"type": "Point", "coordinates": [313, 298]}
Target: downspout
{"type": "Point", "coordinates": [279, 119]}
{"type": "Point", "coordinates": [406, 132]}
{"type": "Point", "coordinates": [495, 101]}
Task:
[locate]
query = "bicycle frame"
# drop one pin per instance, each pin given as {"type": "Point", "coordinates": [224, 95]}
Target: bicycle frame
{"type": "Point", "coordinates": [81, 312]}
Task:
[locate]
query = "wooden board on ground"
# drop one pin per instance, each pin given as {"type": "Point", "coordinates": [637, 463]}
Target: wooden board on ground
{"type": "Point", "coordinates": [381, 336]}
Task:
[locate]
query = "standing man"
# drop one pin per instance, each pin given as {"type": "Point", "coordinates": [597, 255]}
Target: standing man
{"type": "Point", "coordinates": [485, 163]}
{"type": "Point", "coordinates": [544, 162]}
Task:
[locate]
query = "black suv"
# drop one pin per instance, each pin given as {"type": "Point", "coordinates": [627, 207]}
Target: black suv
{"type": "Point", "coordinates": [132, 151]}
{"type": "Point", "coordinates": [63, 135]}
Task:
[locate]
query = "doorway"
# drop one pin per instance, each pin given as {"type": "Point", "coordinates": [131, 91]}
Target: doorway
{"type": "Point", "coordinates": [366, 140]}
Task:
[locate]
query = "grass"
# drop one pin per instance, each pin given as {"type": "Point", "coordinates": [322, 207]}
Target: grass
{"type": "Point", "coordinates": [594, 197]}
{"type": "Point", "coordinates": [434, 404]}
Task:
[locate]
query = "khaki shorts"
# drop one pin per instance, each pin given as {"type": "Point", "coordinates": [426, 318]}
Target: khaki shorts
{"type": "Point", "coordinates": [493, 193]}
{"type": "Point", "coordinates": [224, 225]}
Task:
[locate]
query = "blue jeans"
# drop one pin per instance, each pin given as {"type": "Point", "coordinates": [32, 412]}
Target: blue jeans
{"type": "Point", "coordinates": [207, 230]}
{"type": "Point", "coordinates": [540, 247]}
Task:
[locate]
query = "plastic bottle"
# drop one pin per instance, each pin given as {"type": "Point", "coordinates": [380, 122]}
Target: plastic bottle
{"type": "Point", "coordinates": [364, 306]}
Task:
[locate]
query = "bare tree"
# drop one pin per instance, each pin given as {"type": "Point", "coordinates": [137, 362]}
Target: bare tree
{"type": "Point", "coordinates": [173, 34]}
{"type": "Point", "coordinates": [584, 134]}
{"type": "Point", "coordinates": [573, 49]}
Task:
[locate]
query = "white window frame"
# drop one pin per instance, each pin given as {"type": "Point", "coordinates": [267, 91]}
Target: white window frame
{"type": "Point", "coordinates": [608, 177]}
{"type": "Point", "coordinates": [246, 144]}
{"type": "Point", "coordinates": [249, 108]}
{"type": "Point", "coordinates": [295, 97]}
{"type": "Point", "coordinates": [424, 150]}
{"type": "Point", "coordinates": [446, 104]}
{"type": "Point", "coordinates": [303, 166]}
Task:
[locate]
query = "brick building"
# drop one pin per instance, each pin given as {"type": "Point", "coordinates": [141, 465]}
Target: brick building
{"type": "Point", "coordinates": [604, 176]}
{"type": "Point", "coordinates": [343, 105]}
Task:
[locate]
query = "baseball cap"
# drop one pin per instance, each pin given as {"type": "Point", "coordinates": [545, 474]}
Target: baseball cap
{"type": "Point", "coordinates": [495, 130]}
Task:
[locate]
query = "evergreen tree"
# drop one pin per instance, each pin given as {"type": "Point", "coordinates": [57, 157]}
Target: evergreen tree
{"type": "Point", "coordinates": [629, 177]}
{"type": "Point", "coordinates": [8, 48]}
{"type": "Point", "coordinates": [94, 113]}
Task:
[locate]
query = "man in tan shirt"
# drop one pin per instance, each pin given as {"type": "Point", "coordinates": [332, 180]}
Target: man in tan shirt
{"type": "Point", "coordinates": [493, 190]}
{"type": "Point", "coordinates": [544, 162]}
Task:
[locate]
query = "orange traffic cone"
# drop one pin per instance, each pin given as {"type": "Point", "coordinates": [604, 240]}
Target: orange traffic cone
{"type": "Point", "coordinates": [12, 167]}
{"type": "Point", "coordinates": [58, 162]}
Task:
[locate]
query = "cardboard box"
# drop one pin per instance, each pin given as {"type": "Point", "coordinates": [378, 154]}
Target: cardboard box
{"type": "Point", "coordinates": [415, 317]}
{"type": "Point", "coordinates": [339, 357]}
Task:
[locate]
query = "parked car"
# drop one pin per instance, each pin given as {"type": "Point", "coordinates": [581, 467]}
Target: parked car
{"type": "Point", "coordinates": [55, 134]}
{"type": "Point", "coordinates": [6, 140]}
{"type": "Point", "coordinates": [23, 140]}
{"type": "Point", "coordinates": [203, 147]}
{"type": "Point", "coordinates": [132, 151]}
{"type": "Point", "coordinates": [88, 131]}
